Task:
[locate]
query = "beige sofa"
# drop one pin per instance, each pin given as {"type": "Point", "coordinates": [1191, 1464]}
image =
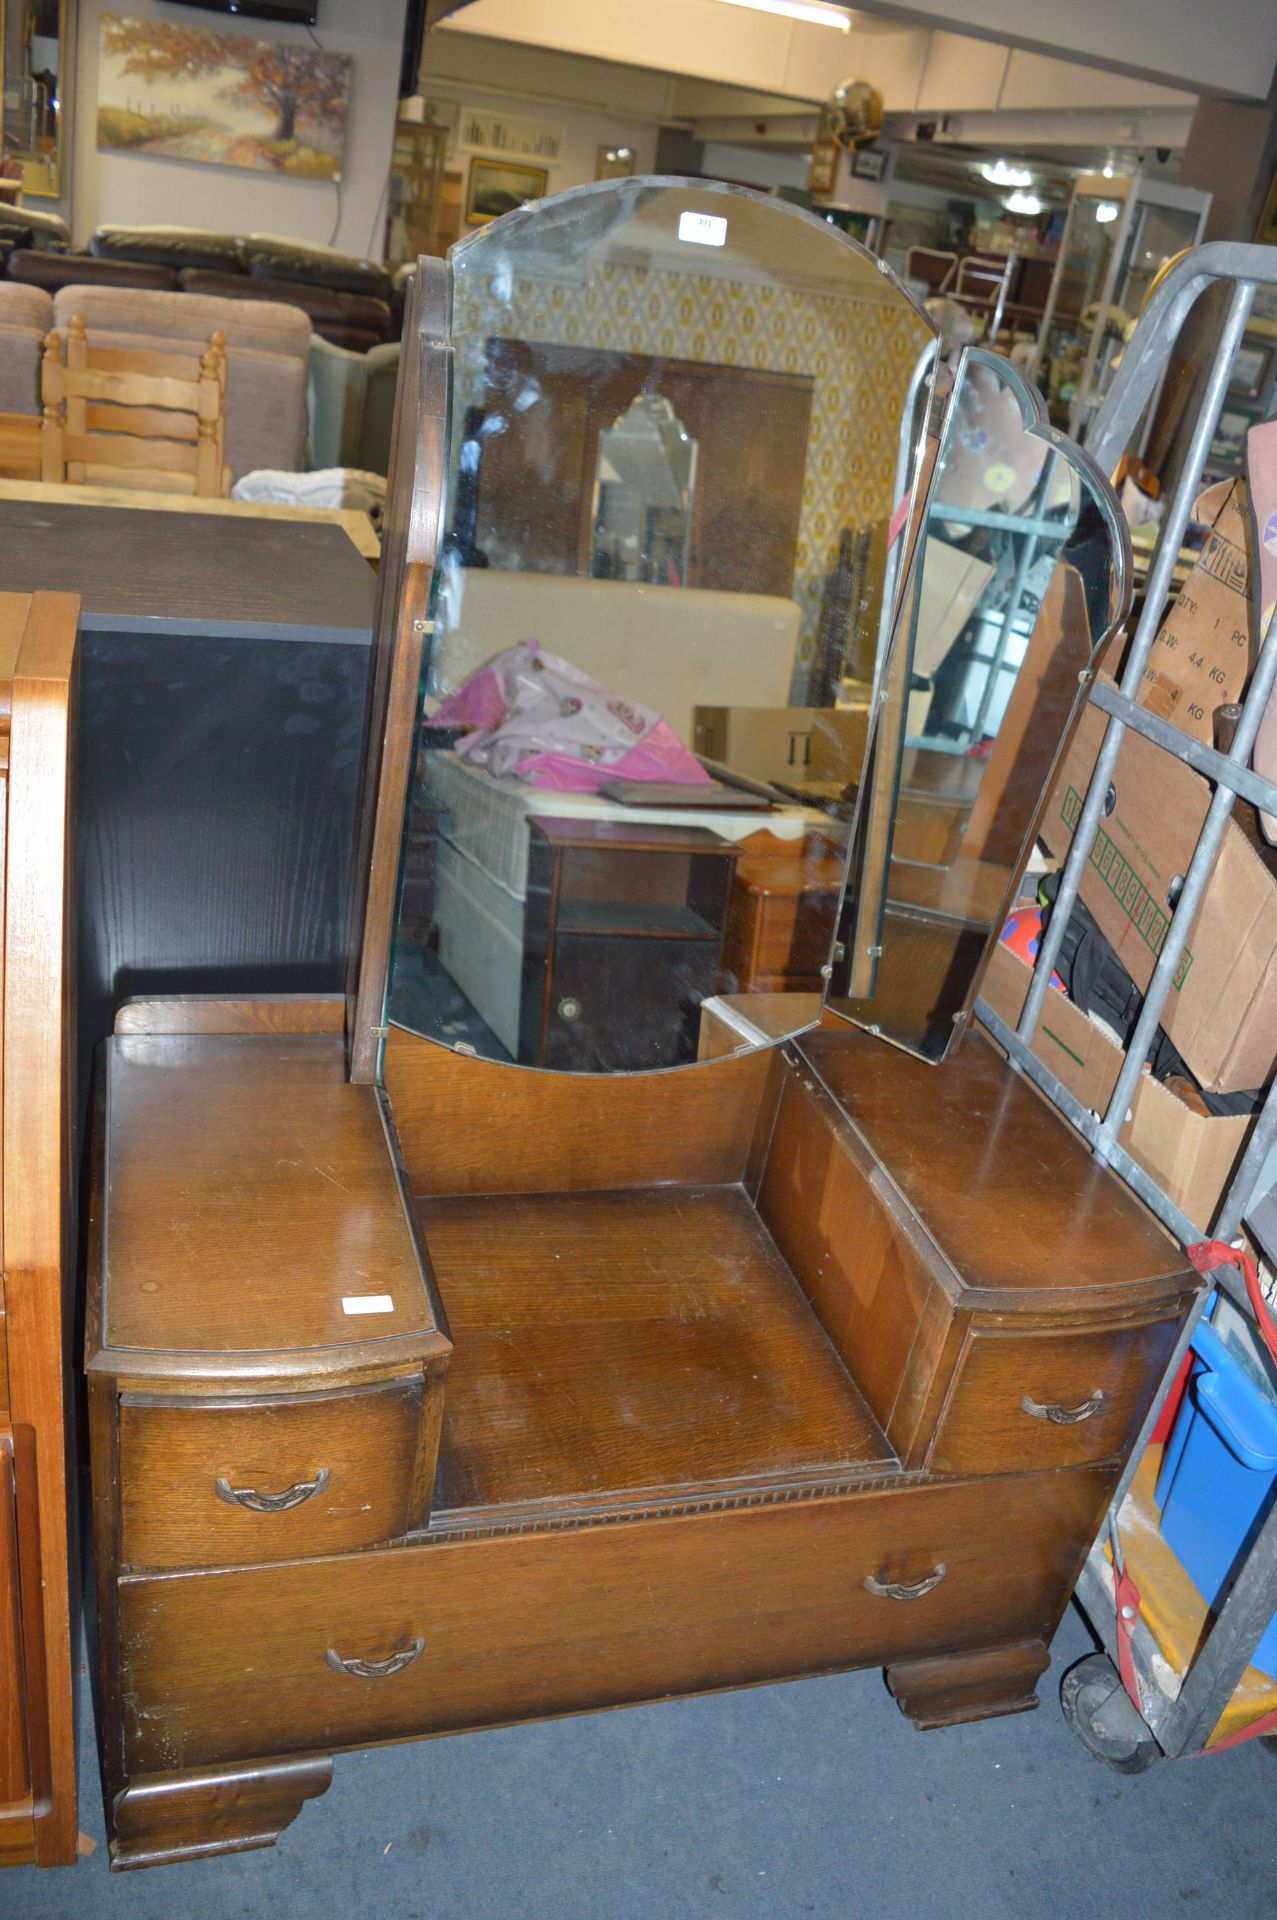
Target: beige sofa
{"type": "Point", "coordinates": [671, 648]}
{"type": "Point", "coordinates": [267, 348]}
{"type": "Point", "coordinates": [26, 314]}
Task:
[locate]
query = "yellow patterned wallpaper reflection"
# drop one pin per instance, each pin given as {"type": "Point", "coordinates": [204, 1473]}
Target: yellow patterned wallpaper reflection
{"type": "Point", "coordinates": [859, 354]}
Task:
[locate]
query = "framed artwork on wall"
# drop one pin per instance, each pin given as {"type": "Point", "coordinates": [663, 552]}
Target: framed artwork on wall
{"type": "Point", "coordinates": [1250, 369]}
{"type": "Point", "coordinates": [1229, 445]}
{"type": "Point", "coordinates": [614, 163]}
{"type": "Point", "coordinates": [220, 99]}
{"type": "Point", "coordinates": [497, 186]}
{"type": "Point", "coordinates": [824, 167]}
{"type": "Point", "coordinates": [503, 133]}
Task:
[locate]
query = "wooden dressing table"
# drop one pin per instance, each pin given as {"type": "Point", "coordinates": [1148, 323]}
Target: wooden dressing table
{"type": "Point", "coordinates": [430, 1393]}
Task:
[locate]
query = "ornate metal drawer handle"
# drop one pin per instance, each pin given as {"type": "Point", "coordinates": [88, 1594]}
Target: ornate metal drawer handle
{"type": "Point", "coordinates": [376, 1669]}
{"type": "Point", "coordinates": [1063, 1416]}
{"type": "Point", "coordinates": [896, 1590]}
{"type": "Point", "coordinates": [271, 1502]}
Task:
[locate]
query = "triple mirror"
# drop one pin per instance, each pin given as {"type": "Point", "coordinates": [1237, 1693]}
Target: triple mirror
{"type": "Point", "coordinates": [685, 426]}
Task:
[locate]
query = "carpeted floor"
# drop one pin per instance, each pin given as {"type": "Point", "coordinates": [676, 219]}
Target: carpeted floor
{"type": "Point", "coordinates": [810, 1799]}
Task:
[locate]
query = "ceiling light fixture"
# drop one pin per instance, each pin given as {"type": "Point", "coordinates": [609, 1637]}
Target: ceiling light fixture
{"type": "Point", "coordinates": [1001, 174]}
{"type": "Point", "coordinates": [813, 12]}
{"type": "Point", "coordinates": [1107, 211]}
{"type": "Point", "coordinates": [1022, 203]}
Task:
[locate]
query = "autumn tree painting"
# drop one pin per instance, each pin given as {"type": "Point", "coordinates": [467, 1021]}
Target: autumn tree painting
{"type": "Point", "coordinates": [189, 93]}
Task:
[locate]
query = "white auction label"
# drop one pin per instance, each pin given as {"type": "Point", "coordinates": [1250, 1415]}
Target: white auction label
{"type": "Point", "coordinates": [704, 229]}
{"type": "Point", "coordinates": [367, 1303]}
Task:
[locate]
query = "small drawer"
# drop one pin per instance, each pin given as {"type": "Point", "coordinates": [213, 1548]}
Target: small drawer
{"type": "Point", "coordinates": [234, 1483]}
{"type": "Point", "coordinates": [1021, 1401]}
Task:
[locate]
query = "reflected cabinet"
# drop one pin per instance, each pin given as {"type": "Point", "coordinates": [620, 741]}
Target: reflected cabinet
{"type": "Point", "coordinates": [641, 1283]}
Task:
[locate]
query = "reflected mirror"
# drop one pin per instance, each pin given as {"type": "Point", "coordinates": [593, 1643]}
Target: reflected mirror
{"type": "Point", "coordinates": [34, 60]}
{"type": "Point", "coordinates": [645, 471]}
{"type": "Point", "coordinates": [1020, 571]}
{"type": "Point", "coordinates": [676, 417]}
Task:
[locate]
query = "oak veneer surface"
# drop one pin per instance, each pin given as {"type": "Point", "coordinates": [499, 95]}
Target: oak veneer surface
{"type": "Point", "coordinates": [477, 1126]}
{"type": "Point", "coordinates": [226, 1666]}
{"type": "Point", "coordinates": [1014, 1198]}
{"type": "Point", "coordinates": [250, 1192]}
{"type": "Point", "coordinates": [610, 1342]}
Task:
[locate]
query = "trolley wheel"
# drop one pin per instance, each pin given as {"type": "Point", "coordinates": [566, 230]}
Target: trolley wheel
{"type": "Point", "coordinates": [1101, 1716]}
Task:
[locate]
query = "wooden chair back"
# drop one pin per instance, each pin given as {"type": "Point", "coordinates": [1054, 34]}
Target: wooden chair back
{"type": "Point", "coordinates": [21, 446]}
{"type": "Point", "coordinates": [133, 417]}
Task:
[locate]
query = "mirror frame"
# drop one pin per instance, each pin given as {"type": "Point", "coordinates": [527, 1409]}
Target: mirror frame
{"type": "Point", "coordinates": [416, 502]}
{"type": "Point", "coordinates": [874, 815]}
{"type": "Point", "coordinates": [68, 21]}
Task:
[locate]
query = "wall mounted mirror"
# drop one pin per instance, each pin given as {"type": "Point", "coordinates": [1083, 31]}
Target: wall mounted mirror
{"type": "Point", "coordinates": [1020, 572]}
{"type": "Point", "coordinates": [35, 33]}
{"type": "Point", "coordinates": [674, 418]}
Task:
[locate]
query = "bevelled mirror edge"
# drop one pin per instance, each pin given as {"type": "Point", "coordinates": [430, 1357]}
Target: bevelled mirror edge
{"type": "Point", "coordinates": [870, 845]}
{"type": "Point", "coordinates": [410, 571]}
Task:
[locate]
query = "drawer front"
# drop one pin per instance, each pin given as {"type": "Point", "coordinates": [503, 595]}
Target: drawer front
{"type": "Point", "coordinates": [1028, 1400]}
{"type": "Point", "coordinates": [436, 1638]}
{"type": "Point", "coordinates": [226, 1485]}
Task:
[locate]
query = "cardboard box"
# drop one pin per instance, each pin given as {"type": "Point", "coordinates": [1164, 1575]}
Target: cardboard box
{"type": "Point", "coordinates": [1192, 1158]}
{"type": "Point", "coordinates": [1221, 1011]}
{"type": "Point", "coordinates": [806, 748]}
{"type": "Point", "coordinates": [1201, 658]}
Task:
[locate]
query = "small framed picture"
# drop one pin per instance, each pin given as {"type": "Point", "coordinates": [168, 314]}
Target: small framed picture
{"type": "Point", "coordinates": [1228, 448]}
{"type": "Point", "coordinates": [498, 186]}
{"type": "Point", "coordinates": [824, 167]}
{"type": "Point", "coordinates": [870, 163]}
{"type": "Point", "coordinates": [614, 163]}
{"type": "Point", "coordinates": [1250, 368]}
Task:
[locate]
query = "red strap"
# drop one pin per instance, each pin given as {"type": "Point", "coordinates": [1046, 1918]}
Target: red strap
{"type": "Point", "coordinates": [1206, 1255]}
{"type": "Point", "coordinates": [1128, 1612]}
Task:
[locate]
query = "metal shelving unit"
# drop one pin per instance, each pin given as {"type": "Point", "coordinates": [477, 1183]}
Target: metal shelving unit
{"type": "Point", "coordinates": [1178, 1711]}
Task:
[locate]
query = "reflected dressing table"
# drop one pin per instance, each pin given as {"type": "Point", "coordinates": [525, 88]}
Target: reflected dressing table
{"type": "Point", "coordinates": [431, 1392]}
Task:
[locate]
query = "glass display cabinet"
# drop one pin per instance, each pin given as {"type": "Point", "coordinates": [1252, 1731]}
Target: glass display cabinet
{"type": "Point", "coordinates": [1121, 231]}
{"type": "Point", "coordinates": [578, 1315]}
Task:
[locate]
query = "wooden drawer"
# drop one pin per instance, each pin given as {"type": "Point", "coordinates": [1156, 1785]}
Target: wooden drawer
{"type": "Point", "coordinates": [234, 1482]}
{"type": "Point", "coordinates": [438, 1637]}
{"type": "Point", "coordinates": [1051, 1399]}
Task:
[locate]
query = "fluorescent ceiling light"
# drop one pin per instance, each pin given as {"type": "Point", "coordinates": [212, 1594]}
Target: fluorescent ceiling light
{"type": "Point", "coordinates": [1022, 203]}
{"type": "Point", "coordinates": [1002, 175]}
{"type": "Point", "coordinates": [1107, 211]}
{"type": "Point", "coordinates": [814, 12]}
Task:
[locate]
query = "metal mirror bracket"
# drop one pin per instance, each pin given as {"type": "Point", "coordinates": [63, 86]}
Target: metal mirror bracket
{"type": "Point", "coordinates": [911, 974]}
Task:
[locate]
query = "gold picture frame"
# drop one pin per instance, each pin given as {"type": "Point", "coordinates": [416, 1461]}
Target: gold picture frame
{"type": "Point", "coordinates": [498, 186]}
{"type": "Point", "coordinates": [1266, 232]}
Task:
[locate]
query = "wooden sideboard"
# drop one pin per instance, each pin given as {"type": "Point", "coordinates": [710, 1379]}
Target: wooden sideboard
{"type": "Point", "coordinates": [498, 1394]}
{"type": "Point", "coordinates": [37, 715]}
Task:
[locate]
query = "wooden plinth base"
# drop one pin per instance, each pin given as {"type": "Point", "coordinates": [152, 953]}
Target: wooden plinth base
{"type": "Point", "coordinates": [184, 1816]}
{"type": "Point", "coordinates": [949, 1688]}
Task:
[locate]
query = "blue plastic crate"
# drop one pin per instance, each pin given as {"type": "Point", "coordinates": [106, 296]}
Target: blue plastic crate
{"type": "Point", "coordinates": [1218, 1472]}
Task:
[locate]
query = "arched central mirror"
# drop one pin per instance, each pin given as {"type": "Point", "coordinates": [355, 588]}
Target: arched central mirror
{"type": "Point", "coordinates": [675, 415]}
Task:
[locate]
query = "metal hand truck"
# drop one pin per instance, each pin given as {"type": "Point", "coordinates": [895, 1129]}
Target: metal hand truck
{"type": "Point", "coordinates": [1130, 1706]}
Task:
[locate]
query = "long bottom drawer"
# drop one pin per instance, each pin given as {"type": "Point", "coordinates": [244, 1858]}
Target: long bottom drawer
{"type": "Point", "coordinates": [440, 1637]}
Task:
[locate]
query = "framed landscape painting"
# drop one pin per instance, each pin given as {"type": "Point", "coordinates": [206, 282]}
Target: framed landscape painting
{"type": "Point", "coordinates": [188, 93]}
{"type": "Point", "coordinates": [496, 187]}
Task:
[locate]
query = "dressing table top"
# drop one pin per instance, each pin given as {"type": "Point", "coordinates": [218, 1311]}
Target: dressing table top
{"type": "Point", "coordinates": [256, 1221]}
